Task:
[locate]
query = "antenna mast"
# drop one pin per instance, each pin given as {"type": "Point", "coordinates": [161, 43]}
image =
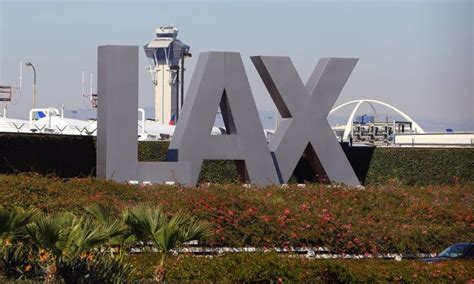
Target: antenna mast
{"type": "Point", "coordinates": [21, 75]}
{"type": "Point", "coordinates": [90, 87]}
{"type": "Point", "coordinates": [83, 94]}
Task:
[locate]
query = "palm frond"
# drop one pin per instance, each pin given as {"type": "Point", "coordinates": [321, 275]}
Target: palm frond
{"type": "Point", "coordinates": [190, 228]}
{"type": "Point", "coordinates": [144, 221]}
{"type": "Point", "coordinates": [93, 235]}
{"type": "Point", "coordinates": [48, 234]}
{"type": "Point", "coordinates": [13, 222]}
{"type": "Point", "coordinates": [66, 235]}
{"type": "Point", "coordinates": [167, 238]}
{"type": "Point", "coordinates": [195, 230]}
{"type": "Point", "coordinates": [102, 214]}
{"type": "Point", "coordinates": [150, 223]}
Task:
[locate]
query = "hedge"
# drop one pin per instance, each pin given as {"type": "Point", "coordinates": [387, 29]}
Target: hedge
{"type": "Point", "coordinates": [380, 219]}
{"type": "Point", "coordinates": [65, 156]}
{"type": "Point", "coordinates": [75, 156]}
{"type": "Point", "coordinates": [408, 166]}
{"type": "Point", "coordinates": [270, 267]}
{"type": "Point", "coordinates": [422, 166]}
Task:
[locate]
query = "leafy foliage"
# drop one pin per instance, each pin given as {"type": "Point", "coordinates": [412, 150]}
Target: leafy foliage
{"type": "Point", "coordinates": [104, 215]}
{"type": "Point", "coordinates": [17, 261]}
{"type": "Point", "coordinates": [15, 251]}
{"type": "Point", "coordinates": [422, 166]}
{"type": "Point", "coordinates": [270, 267]}
{"type": "Point", "coordinates": [67, 236]}
{"type": "Point", "coordinates": [45, 154]}
{"type": "Point", "coordinates": [379, 219]}
{"type": "Point", "coordinates": [59, 246]}
{"type": "Point", "coordinates": [96, 268]}
{"type": "Point", "coordinates": [408, 166]}
{"type": "Point", "coordinates": [63, 246]}
{"type": "Point", "coordinates": [151, 224]}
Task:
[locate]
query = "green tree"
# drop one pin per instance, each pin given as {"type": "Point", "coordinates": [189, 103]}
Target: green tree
{"type": "Point", "coordinates": [62, 238]}
{"type": "Point", "coordinates": [150, 224]}
{"type": "Point", "coordinates": [15, 250]}
{"type": "Point", "coordinates": [105, 215]}
{"type": "Point", "coordinates": [13, 222]}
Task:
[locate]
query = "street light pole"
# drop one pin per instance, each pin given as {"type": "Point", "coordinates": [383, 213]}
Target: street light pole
{"type": "Point", "coordinates": [29, 64]}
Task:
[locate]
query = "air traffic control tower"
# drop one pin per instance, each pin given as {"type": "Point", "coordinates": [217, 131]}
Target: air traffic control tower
{"type": "Point", "coordinates": [166, 56]}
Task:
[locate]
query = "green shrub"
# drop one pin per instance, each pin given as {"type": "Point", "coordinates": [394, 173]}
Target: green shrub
{"type": "Point", "coordinates": [409, 166]}
{"type": "Point", "coordinates": [270, 267]}
{"type": "Point", "coordinates": [17, 262]}
{"type": "Point", "coordinates": [65, 156]}
{"type": "Point", "coordinates": [380, 219]}
{"type": "Point", "coordinates": [64, 247]}
{"type": "Point", "coordinates": [422, 166]}
{"type": "Point", "coordinates": [216, 171]}
{"type": "Point", "coordinates": [57, 247]}
{"type": "Point", "coordinates": [97, 268]}
{"type": "Point", "coordinates": [150, 224]}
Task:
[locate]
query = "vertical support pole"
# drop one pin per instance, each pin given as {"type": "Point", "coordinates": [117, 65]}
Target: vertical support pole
{"type": "Point", "coordinates": [90, 87]}
{"type": "Point", "coordinates": [117, 112]}
{"type": "Point", "coordinates": [21, 75]}
{"type": "Point", "coordinates": [182, 80]}
{"type": "Point", "coordinates": [177, 96]}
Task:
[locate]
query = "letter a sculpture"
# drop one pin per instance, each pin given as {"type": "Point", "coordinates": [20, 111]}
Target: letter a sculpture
{"type": "Point", "coordinates": [220, 80]}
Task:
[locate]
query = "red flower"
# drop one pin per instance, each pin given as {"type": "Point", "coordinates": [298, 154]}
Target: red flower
{"type": "Point", "coordinates": [266, 218]}
{"type": "Point", "coordinates": [253, 210]}
{"type": "Point", "coordinates": [304, 207]}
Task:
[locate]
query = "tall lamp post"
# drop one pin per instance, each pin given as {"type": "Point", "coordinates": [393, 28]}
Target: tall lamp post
{"type": "Point", "coordinates": [29, 64]}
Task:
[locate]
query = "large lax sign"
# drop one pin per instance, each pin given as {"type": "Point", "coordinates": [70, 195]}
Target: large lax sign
{"type": "Point", "coordinates": [220, 81]}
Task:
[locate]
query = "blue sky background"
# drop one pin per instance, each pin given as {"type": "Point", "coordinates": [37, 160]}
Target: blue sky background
{"type": "Point", "coordinates": [416, 55]}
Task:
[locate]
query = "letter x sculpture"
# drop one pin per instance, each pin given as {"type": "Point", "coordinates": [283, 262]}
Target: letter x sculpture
{"type": "Point", "coordinates": [304, 109]}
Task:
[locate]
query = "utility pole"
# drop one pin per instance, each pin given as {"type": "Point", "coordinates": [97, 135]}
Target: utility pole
{"type": "Point", "coordinates": [29, 64]}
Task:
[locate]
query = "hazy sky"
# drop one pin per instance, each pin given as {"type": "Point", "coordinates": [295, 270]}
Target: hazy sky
{"type": "Point", "coordinates": [415, 55]}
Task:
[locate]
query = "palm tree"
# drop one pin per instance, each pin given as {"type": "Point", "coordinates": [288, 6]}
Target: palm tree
{"type": "Point", "coordinates": [105, 215]}
{"type": "Point", "coordinates": [150, 224]}
{"type": "Point", "coordinates": [13, 222]}
{"type": "Point", "coordinates": [14, 247]}
{"type": "Point", "coordinates": [64, 237]}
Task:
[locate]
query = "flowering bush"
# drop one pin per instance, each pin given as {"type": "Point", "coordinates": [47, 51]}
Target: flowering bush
{"type": "Point", "coordinates": [381, 219]}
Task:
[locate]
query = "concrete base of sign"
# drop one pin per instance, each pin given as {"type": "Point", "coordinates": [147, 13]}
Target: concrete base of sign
{"type": "Point", "coordinates": [162, 172]}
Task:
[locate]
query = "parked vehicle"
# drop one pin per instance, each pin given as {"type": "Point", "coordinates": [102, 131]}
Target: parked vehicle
{"type": "Point", "coordinates": [456, 251]}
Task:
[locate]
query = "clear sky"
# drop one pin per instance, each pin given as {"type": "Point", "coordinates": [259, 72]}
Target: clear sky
{"type": "Point", "coordinates": [416, 55]}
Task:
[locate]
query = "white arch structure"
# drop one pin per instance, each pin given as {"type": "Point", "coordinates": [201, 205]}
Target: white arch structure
{"type": "Point", "coordinates": [348, 130]}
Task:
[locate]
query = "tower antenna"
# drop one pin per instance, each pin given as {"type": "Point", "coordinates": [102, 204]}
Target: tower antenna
{"type": "Point", "coordinates": [83, 84]}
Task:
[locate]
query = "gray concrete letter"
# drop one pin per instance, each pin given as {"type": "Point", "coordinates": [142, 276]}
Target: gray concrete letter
{"type": "Point", "coordinates": [220, 80]}
{"type": "Point", "coordinates": [117, 127]}
{"type": "Point", "coordinates": [117, 89]}
{"type": "Point", "coordinates": [304, 109]}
